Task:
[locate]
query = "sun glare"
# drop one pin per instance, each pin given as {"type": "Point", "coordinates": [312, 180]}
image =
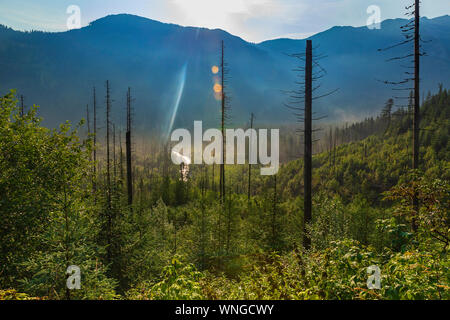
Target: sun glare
{"type": "Point", "coordinates": [210, 13]}
{"type": "Point", "coordinates": [217, 88]}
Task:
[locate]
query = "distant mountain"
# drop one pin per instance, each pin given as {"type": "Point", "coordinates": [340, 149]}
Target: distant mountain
{"type": "Point", "coordinates": [58, 70]}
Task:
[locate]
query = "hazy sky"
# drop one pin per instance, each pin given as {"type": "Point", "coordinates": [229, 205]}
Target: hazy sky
{"type": "Point", "coordinates": [253, 20]}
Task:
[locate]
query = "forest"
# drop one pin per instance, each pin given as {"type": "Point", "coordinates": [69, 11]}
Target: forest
{"type": "Point", "coordinates": [177, 240]}
{"type": "Point", "coordinates": [350, 202]}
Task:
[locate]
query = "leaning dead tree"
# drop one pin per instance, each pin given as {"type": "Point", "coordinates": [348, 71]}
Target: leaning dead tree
{"type": "Point", "coordinates": [128, 150]}
{"type": "Point", "coordinates": [301, 105]}
{"type": "Point", "coordinates": [411, 81]}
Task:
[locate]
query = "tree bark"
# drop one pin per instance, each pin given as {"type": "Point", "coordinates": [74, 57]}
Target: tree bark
{"type": "Point", "coordinates": [308, 145]}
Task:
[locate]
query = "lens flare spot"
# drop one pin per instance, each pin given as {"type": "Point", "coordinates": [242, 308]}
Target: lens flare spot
{"type": "Point", "coordinates": [215, 69]}
{"type": "Point", "coordinates": [217, 88]}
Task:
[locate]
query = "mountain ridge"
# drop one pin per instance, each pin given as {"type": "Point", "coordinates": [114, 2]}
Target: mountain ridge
{"type": "Point", "coordinates": [60, 69]}
{"type": "Point", "coordinates": [111, 17]}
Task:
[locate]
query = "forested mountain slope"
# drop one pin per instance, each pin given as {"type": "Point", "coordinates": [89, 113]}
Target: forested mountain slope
{"type": "Point", "coordinates": [178, 241]}
{"type": "Point", "coordinates": [377, 163]}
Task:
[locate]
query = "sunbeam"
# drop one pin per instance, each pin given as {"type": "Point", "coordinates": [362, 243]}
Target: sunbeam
{"type": "Point", "coordinates": [181, 83]}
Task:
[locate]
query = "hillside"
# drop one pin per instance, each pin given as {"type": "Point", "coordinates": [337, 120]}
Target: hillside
{"type": "Point", "coordinates": [377, 163]}
{"type": "Point", "coordinates": [178, 241]}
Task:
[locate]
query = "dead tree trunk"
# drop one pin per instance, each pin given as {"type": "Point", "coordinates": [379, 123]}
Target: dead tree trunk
{"type": "Point", "coordinates": [114, 156]}
{"type": "Point", "coordinates": [108, 174]}
{"type": "Point", "coordinates": [222, 165]}
{"type": "Point", "coordinates": [21, 106]}
{"type": "Point", "coordinates": [330, 146]}
{"type": "Point", "coordinates": [274, 211]}
{"type": "Point", "coordinates": [411, 32]}
{"type": "Point", "coordinates": [88, 120]}
{"type": "Point", "coordinates": [108, 157]}
{"type": "Point", "coordinates": [203, 222]}
{"type": "Point", "coordinates": [336, 134]}
{"type": "Point", "coordinates": [128, 151]}
{"type": "Point", "coordinates": [94, 184]}
{"type": "Point", "coordinates": [416, 119]}
{"type": "Point", "coordinates": [308, 145]}
{"type": "Point", "coordinates": [88, 126]}
{"type": "Point", "coordinates": [121, 156]}
{"type": "Point", "coordinates": [249, 164]}
{"type": "Point", "coordinates": [213, 178]}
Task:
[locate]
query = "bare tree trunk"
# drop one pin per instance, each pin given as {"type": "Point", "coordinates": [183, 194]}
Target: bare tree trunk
{"type": "Point", "coordinates": [222, 166]}
{"type": "Point", "coordinates": [274, 211]}
{"type": "Point", "coordinates": [308, 145]}
{"type": "Point", "coordinates": [203, 223]}
{"type": "Point", "coordinates": [249, 164]}
{"type": "Point", "coordinates": [108, 158]}
{"type": "Point", "coordinates": [88, 126]}
{"type": "Point", "coordinates": [128, 147]}
{"type": "Point", "coordinates": [228, 240]}
{"type": "Point", "coordinates": [336, 134]}
{"type": "Point", "coordinates": [88, 122]}
{"type": "Point", "coordinates": [330, 145]}
{"type": "Point", "coordinates": [213, 178]}
{"type": "Point", "coordinates": [94, 184]}
{"type": "Point", "coordinates": [108, 171]}
{"type": "Point", "coordinates": [416, 119]}
{"type": "Point", "coordinates": [66, 238]}
{"type": "Point", "coordinates": [121, 156]}
{"type": "Point", "coordinates": [21, 106]}
{"type": "Point", "coordinates": [114, 156]}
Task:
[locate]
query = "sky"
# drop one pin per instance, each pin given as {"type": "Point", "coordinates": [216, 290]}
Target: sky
{"type": "Point", "coordinates": [253, 20]}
